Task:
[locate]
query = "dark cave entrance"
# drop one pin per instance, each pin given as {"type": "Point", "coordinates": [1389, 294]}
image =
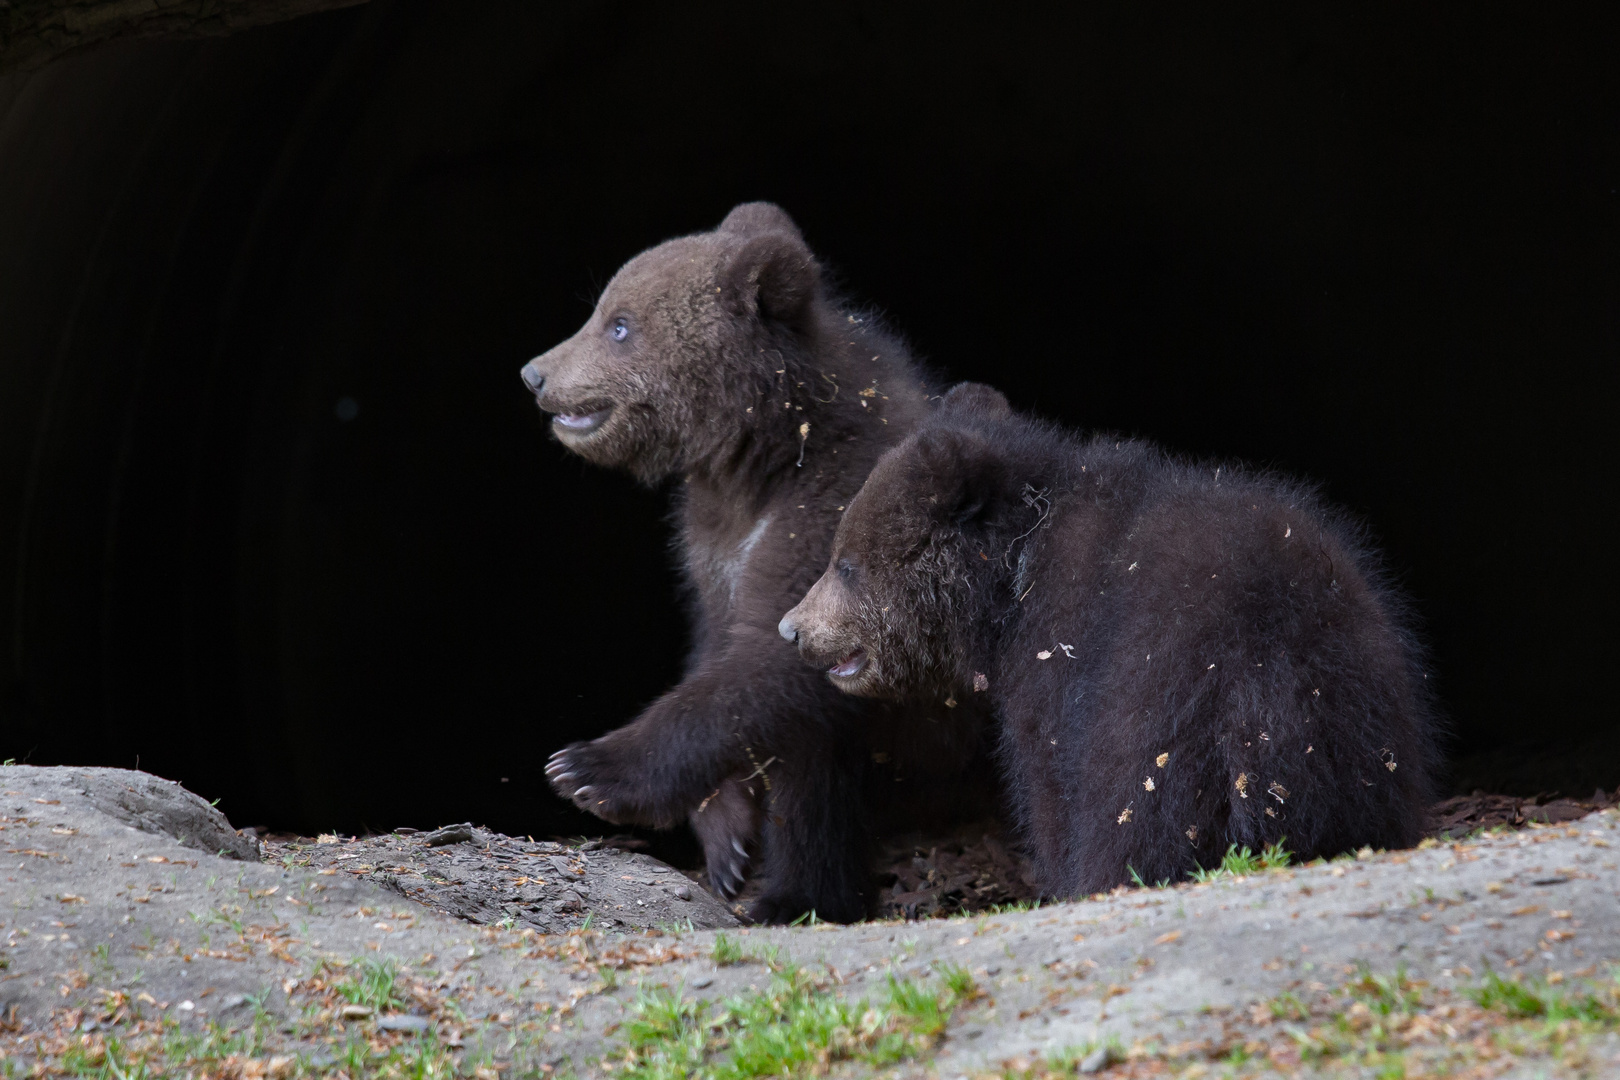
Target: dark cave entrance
{"type": "Point", "coordinates": [278, 519]}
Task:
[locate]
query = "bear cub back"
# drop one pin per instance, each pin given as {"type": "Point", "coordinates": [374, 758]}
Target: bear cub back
{"type": "Point", "coordinates": [1181, 655]}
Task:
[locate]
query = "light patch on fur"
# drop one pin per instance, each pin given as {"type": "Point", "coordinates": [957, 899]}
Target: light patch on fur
{"type": "Point", "coordinates": [733, 568]}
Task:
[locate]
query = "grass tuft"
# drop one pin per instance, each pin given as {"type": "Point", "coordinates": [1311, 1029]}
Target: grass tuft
{"type": "Point", "coordinates": [1243, 862]}
{"type": "Point", "coordinates": [372, 982]}
{"type": "Point", "coordinates": [727, 952]}
{"type": "Point", "coordinates": [793, 1027]}
{"type": "Point", "coordinates": [1540, 999]}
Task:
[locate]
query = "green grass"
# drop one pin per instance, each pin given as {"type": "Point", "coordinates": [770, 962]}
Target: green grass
{"type": "Point", "coordinates": [676, 927]}
{"type": "Point", "coordinates": [792, 1027]}
{"type": "Point", "coordinates": [1532, 1019]}
{"type": "Point", "coordinates": [1540, 999]}
{"type": "Point", "coordinates": [1010, 908]}
{"type": "Point", "coordinates": [216, 1051]}
{"type": "Point", "coordinates": [1243, 862]}
{"type": "Point", "coordinates": [958, 980]}
{"type": "Point", "coordinates": [371, 982]}
{"type": "Point", "coordinates": [1136, 879]}
{"type": "Point", "coordinates": [727, 952]}
{"type": "Point", "coordinates": [1385, 995]}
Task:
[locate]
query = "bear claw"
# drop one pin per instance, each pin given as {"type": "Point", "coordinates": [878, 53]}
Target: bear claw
{"type": "Point", "coordinates": [727, 879]}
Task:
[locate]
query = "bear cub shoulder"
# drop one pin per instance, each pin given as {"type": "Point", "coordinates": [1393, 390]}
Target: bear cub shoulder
{"type": "Point", "coordinates": [1181, 656]}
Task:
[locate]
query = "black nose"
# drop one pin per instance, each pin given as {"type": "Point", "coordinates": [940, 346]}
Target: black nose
{"type": "Point", "coordinates": [535, 381]}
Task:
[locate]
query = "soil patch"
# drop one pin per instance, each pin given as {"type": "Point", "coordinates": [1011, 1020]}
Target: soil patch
{"type": "Point", "coordinates": [491, 879]}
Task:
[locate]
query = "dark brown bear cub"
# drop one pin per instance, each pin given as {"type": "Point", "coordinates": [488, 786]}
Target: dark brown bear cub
{"type": "Point", "coordinates": [721, 362]}
{"type": "Point", "coordinates": [1181, 656]}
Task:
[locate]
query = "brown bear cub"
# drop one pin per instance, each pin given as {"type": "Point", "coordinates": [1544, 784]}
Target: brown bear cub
{"type": "Point", "coordinates": [720, 361]}
{"type": "Point", "coordinates": [1181, 656]}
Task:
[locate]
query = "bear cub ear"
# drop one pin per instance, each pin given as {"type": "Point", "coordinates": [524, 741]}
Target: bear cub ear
{"type": "Point", "coordinates": [773, 276]}
{"type": "Point", "coordinates": [975, 401]}
{"type": "Point", "coordinates": [962, 472]}
{"type": "Point", "coordinates": [753, 218]}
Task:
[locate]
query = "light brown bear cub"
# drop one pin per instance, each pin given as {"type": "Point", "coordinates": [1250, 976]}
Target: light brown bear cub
{"type": "Point", "coordinates": [720, 362]}
{"type": "Point", "coordinates": [1181, 656]}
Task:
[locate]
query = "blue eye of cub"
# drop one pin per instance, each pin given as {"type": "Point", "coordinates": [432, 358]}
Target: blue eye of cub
{"type": "Point", "coordinates": [845, 569]}
{"type": "Point", "coordinates": [620, 331]}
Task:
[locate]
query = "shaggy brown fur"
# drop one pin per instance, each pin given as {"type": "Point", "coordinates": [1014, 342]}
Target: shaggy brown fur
{"type": "Point", "coordinates": [1182, 656]}
{"type": "Point", "coordinates": [720, 359]}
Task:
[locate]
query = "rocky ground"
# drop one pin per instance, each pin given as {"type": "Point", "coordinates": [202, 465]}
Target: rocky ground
{"type": "Point", "coordinates": [494, 880]}
{"type": "Point", "coordinates": [131, 939]}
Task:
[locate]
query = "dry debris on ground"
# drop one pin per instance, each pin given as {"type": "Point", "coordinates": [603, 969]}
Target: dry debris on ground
{"type": "Point", "coordinates": [488, 878]}
{"type": "Point", "coordinates": [124, 952]}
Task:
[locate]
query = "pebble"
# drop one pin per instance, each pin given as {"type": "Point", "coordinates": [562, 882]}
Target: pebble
{"type": "Point", "coordinates": [450, 834]}
{"type": "Point", "coordinates": [403, 1022]}
{"type": "Point", "coordinates": [702, 981]}
{"type": "Point", "coordinates": [1098, 1060]}
{"type": "Point", "coordinates": [356, 1012]}
{"type": "Point", "coordinates": [682, 892]}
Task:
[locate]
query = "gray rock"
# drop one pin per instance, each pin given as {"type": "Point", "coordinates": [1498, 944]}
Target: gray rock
{"type": "Point", "coordinates": [450, 834]}
{"type": "Point", "coordinates": [1098, 1060]}
{"type": "Point", "coordinates": [403, 1022]}
{"type": "Point", "coordinates": [83, 897]}
{"type": "Point", "coordinates": [140, 800]}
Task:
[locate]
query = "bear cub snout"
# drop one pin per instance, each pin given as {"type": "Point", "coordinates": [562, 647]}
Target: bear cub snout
{"type": "Point", "coordinates": [1181, 656]}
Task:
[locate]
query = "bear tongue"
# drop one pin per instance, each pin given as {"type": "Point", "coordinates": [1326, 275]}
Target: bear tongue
{"type": "Point", "coordinates": [850, 665]}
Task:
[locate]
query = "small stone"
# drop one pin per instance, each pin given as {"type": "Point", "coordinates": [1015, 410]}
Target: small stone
{"type": "Point", "coordinates": [450, 834]}
{"type": "Point", "coordinates": [1097, 1060]}
{"type": "Point", "coordinates": [403, 1022]}
{"type": "Point", "coordinates": [682, 892]}
{"type": "Point", "coordinates": [356, 1012]}
{"type": "Point", "coordinates": [702, 981]}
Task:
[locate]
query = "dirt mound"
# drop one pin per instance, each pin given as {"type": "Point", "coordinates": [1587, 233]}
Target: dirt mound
{"type": "Point", "coordinates": [491, 879]}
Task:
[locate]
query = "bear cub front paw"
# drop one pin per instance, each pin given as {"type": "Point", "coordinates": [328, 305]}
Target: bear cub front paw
{"type": "Point", "coordinates": [595, 777]}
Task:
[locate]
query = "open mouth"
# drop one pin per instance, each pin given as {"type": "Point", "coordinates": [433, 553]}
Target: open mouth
{"type": "Point", "coordinates": [850, 666]}
{"type": "Point", "coordinates": [580, 423]}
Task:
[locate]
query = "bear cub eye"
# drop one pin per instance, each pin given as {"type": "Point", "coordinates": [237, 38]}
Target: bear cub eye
{"type": "Point", "coordinates": [846, 570]}
{"type": "Point", "coordinates": [620, 330]}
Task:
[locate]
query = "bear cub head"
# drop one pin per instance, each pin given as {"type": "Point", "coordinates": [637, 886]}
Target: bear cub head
{"type": "Point", "coordinates": [666, 373]}
{"type": "Point", "coordinates": [916, 555]}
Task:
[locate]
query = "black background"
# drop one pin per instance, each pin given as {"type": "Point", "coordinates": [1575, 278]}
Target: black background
{"type": "Point", "coordinates": [1375, 247]}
